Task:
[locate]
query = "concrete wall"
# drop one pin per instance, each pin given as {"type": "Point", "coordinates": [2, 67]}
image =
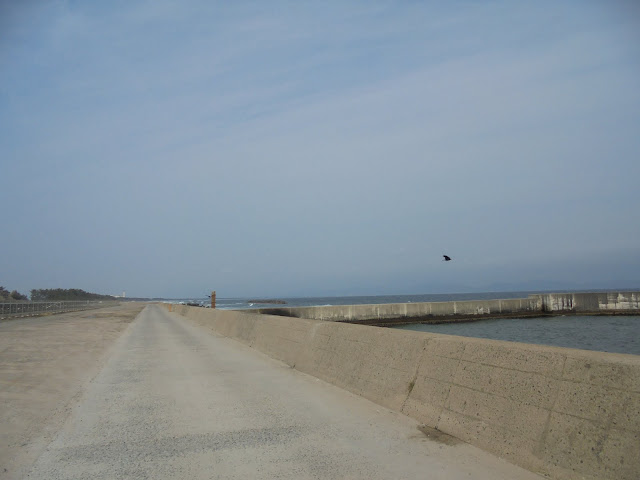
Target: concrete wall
{"type": "Point", "coordinates": [437, 311]}
{"type": "Point", "coordinates": [591, 302]}
{"type": "Point", "coordinates": [395, 311]}
{"type": "Point", "coordinates": [563, 412]}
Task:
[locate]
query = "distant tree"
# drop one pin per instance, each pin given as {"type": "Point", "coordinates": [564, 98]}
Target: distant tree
{"type": "Point", "coordinates": [60, 294]}
{"type": "Point", "coordinates": [14, 296]}
{"type": "Point", "coordinates": [37, 296]}
{"type": "Point", "coordinates": [18, 296]}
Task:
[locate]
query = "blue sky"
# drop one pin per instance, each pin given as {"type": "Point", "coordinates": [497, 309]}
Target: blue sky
{"type": "Point", "coordinates": [172, 148]}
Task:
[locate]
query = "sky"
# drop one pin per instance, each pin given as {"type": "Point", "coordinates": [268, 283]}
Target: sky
{"type": "Point", "coordinates": [287, 148]}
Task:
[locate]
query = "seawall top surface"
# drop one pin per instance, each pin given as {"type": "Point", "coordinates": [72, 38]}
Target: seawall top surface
{"type": "Point", "coordinates": [569, 413]}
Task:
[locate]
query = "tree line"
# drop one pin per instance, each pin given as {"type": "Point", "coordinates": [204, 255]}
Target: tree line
{"type": "Point", "coordinates": [51, 295]}
{"type": "Point", "coordinates": [66, 294]}
{"type": "Point", "coordinates": [13, 296]}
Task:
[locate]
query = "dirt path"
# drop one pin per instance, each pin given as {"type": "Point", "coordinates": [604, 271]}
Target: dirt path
{"type": "Point", "coordinates": [44, 363]}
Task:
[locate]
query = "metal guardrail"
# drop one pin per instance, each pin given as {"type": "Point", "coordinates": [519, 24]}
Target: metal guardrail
{"type": "Point", "coordinates": [26, 309]}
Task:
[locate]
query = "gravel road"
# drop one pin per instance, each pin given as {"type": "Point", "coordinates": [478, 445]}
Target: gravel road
{"type": "Point", "coordinates": [175, 401]}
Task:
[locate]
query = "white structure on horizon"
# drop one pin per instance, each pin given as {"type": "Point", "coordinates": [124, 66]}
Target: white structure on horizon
{"type": "Point", "coordinates": [121, 296]}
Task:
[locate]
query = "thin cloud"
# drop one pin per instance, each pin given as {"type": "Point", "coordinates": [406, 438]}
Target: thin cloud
{"type": "Point", "coordinates": [316, 149]}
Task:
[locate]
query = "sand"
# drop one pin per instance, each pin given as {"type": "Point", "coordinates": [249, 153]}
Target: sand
{"type": "Point", "coordinates": [44, 364]}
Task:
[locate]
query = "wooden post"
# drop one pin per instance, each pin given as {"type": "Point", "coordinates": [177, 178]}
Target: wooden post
{"type": "Point", "coordinates": [213, 299]}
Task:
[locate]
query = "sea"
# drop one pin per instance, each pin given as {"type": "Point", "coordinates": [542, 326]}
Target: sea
{"type": "Point", "coordinates": [609, 333]}
{"type": "Point", "coordinates": [602, 333]}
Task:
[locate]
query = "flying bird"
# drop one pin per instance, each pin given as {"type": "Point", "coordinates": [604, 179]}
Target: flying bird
{"type": "Point", "coordinates": [446, 258]}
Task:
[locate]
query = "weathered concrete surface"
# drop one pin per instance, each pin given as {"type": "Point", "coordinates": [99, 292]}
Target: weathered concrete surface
{"type": "Point", "coordinates": [411, 312]}
{"type": "Point", "coordinates": [591, 302]}
{"type": "Point", "coordinates": [175, 401]}
{"type": "Point", "coordinates": [568, 413]}
{"type": "Point", "coordinates": [44, 363]}
{"type": "Point", "coordinates": [393, 313]}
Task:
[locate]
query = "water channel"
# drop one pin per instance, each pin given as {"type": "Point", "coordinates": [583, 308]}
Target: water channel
{"type": "Point", "coordinates": [610, 333]}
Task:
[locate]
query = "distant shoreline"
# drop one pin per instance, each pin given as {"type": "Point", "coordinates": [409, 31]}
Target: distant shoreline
{"type": "Point", "coordinates": [275, 302]}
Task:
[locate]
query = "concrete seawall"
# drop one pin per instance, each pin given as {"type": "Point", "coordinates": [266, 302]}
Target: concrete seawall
{"type": "Point", "coordinates": [534, 305]}
{"type": "Point", "coordinates": [566, 413]}
{"type": "Point", "coordinates": [596, 302]}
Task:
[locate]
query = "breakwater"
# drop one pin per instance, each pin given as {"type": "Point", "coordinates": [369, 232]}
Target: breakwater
{"type": "Point", "coordinates": [570, 414]}
{"type": "Point", "coordinates": [434, 312]}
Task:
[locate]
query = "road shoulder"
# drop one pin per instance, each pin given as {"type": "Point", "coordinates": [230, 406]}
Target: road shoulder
{"type": "Point", "coordinates": [44, 364]}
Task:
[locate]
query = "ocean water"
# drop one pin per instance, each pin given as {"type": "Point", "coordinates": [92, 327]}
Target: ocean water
{"type": "Point", "coordinates": [603, 333]}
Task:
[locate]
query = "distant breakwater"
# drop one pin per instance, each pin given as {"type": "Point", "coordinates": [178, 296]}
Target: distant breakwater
{"type": "Point", "coordinates": [591, 303]}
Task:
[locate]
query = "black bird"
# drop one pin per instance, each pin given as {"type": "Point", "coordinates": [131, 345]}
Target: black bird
{"type": "Point", "coordinates": [447, 258]}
